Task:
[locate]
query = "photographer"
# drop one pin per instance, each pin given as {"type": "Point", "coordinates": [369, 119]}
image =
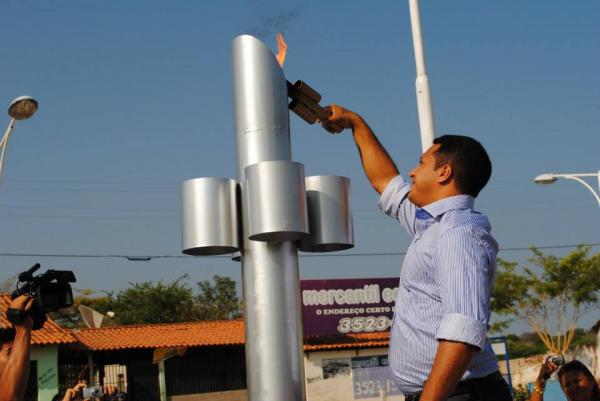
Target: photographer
{"type": "Point", "coordinates": [14, 351]}
{"type": "Point", "coordinates": [576, 381]}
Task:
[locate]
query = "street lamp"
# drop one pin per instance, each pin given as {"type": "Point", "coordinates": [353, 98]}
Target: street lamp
{"type": "Point", "coordinates": [551, 178]}
{"type": "Point", "coordinates": [21, 108]}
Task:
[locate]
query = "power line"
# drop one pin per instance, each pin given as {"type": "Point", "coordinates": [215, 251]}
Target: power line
{"type": "Point", "coordinates": [146, 258]}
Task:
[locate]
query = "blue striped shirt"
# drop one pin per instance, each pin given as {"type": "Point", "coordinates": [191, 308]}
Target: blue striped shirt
{"type": "Point", "coordinates": [445, 284]}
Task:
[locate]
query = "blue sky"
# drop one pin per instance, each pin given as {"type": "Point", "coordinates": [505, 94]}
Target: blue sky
{"type": "Point", "coordinates": [135, 97]}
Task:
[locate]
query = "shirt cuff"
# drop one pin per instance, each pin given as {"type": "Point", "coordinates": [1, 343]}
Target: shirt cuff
{"type": "Point", "coordinates": [461, 328]}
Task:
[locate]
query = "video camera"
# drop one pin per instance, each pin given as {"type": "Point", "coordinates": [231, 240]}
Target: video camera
{"type": "Point", "coordinates": [51, 291]}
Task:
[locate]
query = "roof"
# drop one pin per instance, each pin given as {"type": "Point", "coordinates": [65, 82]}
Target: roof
{"type": "Point", "coordinates": [170, 335]}
{"type": "Point", "coordinates": [205, 334]}
{"type": "Point", "coordinates": [50, 334]}
{"type": "Point", "coordinates": [193, 334]}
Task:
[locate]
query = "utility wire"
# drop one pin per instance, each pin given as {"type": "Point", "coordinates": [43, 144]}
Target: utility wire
{"type": "Point", "coordinates": [146, 258]}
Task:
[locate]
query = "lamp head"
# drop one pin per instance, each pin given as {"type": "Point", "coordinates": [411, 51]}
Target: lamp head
{"type": "Point", "coordinates": [22, 107]}
{"type": "Point", "coordinates": [545, 179]}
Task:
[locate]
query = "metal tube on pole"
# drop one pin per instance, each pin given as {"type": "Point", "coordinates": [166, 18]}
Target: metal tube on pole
{"type": "Point", "coordinates": [274, 357]}
{"type": "Point", "coordinates": [424, 104]}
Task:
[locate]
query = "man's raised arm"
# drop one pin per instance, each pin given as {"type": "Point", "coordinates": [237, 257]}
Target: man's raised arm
{"type": "Point", "coordinates": [376, 162]}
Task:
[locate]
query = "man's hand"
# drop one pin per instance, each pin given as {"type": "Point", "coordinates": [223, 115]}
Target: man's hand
{"type": "Point", "coordinates": [377, 164]}
{"type": "Point", "coordinates": [23, 303]}
{"type": "Point", "coordinates": [451, 361]}
{"type": "Point", "coordinates": [340, 119]}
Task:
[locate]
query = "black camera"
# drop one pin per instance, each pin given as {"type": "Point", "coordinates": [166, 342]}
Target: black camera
{"type": "Point", "coordinates": [51, 291]}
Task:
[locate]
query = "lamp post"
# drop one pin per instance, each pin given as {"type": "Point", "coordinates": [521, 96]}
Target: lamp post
{"type": "Point", "coordinates": [424, 103]}
{"type": "Point", "coordinates": [550, 178]}
{"type": "Point", "coordinates": [21, 108]}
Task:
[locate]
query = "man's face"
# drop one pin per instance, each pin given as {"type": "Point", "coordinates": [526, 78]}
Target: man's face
{"type": "Point", "coordinates": [425, 179]}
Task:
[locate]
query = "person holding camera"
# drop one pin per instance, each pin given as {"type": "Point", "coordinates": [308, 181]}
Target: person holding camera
{"type": "Point", "coordinates": [15, 350]}
{"type": "Point", "coordinates": [74, 393]}
{"type": "Point", "coordinates": [576, 381]}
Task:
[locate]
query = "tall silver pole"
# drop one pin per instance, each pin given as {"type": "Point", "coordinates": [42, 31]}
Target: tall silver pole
{"type": "Point", "coordinates": [424, 104]}
{"type": "Point", "coordinates": [272, 315]}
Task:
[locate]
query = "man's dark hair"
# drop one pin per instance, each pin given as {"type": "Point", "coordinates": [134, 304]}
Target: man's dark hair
{"type": "Point", "coordinates": [471, 165]}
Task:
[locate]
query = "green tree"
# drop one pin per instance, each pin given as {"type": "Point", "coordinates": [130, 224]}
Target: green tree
{"type": "Point", "coordinates": [147, 302]}
{"type": "Point", "coordinates": [218, 301]}
{"type": "Point", "coordinates": [71, 317]}
{"type": "Point", "coordinates": [550, 297]}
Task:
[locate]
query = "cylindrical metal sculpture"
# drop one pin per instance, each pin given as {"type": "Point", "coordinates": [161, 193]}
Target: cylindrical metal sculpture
{"type": "Point", "coordinates": [274, 357]}
{"type": "Point", "coordinates": [209, 216]}
{"type": "Point", "coordinates": [277, 201]}
{"type": "Point", "coordinates": [329, 213]}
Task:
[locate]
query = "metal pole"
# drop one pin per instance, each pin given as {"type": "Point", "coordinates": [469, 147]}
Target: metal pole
{"type": "Point", "coordinates": [270, 270]}
{"type": "Point", "coordinates": [4, 142]}
{"type": "Point", "coordinates": [424, 104]}
{"type": "Point", "coordinates": [162, 380]}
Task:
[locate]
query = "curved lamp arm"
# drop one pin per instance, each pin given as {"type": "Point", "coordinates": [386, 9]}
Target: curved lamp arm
{"type": "Point", "coordinates": [4, 143]}
{"type": "Point", "coordinates": [588, 186]}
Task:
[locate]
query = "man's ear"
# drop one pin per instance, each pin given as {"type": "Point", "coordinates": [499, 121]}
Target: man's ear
{"type": "Point", "coordinates": [444, 174]}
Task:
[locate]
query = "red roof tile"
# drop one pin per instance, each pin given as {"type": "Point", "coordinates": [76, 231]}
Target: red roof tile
{"type": "Point", "coordinates": [203, 334]}
{"type": "Point", "coordinates": [50, 334]}
{"type": "Point", "coordinates": [193, 334]}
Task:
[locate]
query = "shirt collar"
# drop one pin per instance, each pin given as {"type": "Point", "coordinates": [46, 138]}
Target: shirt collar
{"type": "Point", "coordinates": [456, 202]}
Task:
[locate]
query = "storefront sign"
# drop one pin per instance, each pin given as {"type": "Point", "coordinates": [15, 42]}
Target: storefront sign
{"type": "Point", "coordinates": [344, 306]}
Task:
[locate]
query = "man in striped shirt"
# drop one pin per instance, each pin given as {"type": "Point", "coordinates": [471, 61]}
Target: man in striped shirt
{"type": "Point", "coordinates": [438, 345]}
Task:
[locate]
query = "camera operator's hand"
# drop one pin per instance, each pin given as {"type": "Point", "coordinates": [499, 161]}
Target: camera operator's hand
{"type": "Point", "coordinates": [23, 303]}
{"type": "Point", "coordinates": [15, 372]}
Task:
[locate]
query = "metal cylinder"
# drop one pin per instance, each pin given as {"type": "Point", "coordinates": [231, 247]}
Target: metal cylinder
{"type": "Point", "coordinates": [276, 201]}
{"type": "Point", "coordinates": [273, 327]}
{"type": "Point", "coordinates": [209, 216]}
{"type": "Point", "coordinates": [329, 214]}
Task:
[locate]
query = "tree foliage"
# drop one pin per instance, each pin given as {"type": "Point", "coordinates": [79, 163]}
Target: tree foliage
{"type": "Point", "coordinates": [148, 302]}
{"type": "Point", "coordinates": [218, 301]}
{"type": "Point", "coordinates": [551, 296]}
{"type": "Point", "coordinates": [528, 344]}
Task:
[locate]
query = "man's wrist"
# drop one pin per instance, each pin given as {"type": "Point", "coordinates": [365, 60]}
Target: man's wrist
{"type": "Point", "coordinates": [22, 333]}
{"type": "Point", "coordinates": [356, 120]}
